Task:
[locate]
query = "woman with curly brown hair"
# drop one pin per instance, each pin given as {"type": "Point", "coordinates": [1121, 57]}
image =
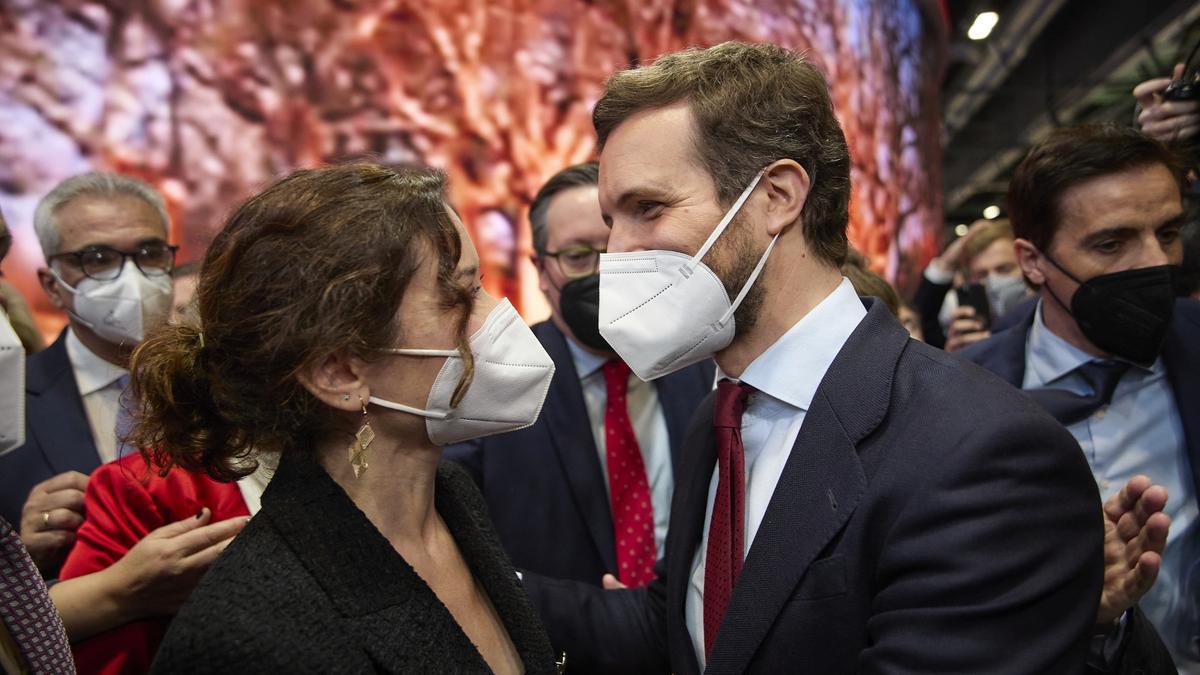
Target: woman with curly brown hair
{"type": "Point", "coordinates": [342, 325]}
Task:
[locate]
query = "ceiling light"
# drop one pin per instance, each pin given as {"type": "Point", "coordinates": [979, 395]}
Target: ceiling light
{"type": "Point", "coordinates": [991, 212]}
{"type": "Point", "coordinates": [983, 25]}
{"type": "Point", "coordinates": [960, 229]}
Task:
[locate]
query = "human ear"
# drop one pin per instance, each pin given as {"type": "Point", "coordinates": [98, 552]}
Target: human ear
{"type": "Point", "coordinates": [786, 186]}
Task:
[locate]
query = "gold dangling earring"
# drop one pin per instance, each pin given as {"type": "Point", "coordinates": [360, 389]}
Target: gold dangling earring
{"type": "Point", "coordinates": [362, 441]}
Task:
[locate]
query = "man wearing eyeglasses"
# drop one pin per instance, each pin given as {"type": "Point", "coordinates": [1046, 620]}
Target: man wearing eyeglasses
{"type": "Point", "coordinates": [109, 267]}
{"type": "Point", "coordinates": [585, 491]}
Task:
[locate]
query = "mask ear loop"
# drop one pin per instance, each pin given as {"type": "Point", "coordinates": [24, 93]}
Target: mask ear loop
{"type": "Point", "coordinates": [687, 269]}
{"type": "Point", "coordinates": [1070, 276]}
{"type": "Point", "coordinates": [762, 262]}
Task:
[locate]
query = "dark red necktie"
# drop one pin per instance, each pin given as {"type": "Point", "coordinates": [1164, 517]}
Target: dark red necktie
{"type": "Point", "coordinates": [632, 510]}
{"type": "Point", "coordinates": [726, 528]}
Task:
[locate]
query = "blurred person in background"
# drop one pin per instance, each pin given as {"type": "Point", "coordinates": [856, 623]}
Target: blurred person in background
{"type": "Point", "coordinates": [595, 473]}
{"type": "Point", "coordinates": [32, 638]}
{"type": "Point", "coordinates": [869, 284]}
{"type": "Point", "coordinates": [108, 265]}
{"type": "Point", "coordinates": [145, 541]}
{"type": "Point", "coordinates": [986, 260]}
{"type": "Point", "coordinates": [184, 281]}
{"type": "Point", "coordinates": [1110, 350]}
{"type": "Point", "coordinates": [1165, 118]}
{"type": "Point", "coordinates": [13, 304]}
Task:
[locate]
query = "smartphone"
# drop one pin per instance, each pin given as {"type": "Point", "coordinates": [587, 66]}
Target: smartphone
{"type": "Point", "coordinates": [975, 295]}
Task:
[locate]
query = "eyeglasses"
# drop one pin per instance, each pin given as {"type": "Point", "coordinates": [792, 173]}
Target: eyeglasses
{"type": "Point", "coordinates": [104, 263]}
{"type": "Point", "coordinates": [577, 261]}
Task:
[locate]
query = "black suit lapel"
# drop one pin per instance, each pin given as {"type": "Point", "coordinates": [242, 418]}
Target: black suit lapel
{"type": "Point", "coordinates": [1182, 361]}
{"type": "Point", "coordinates": [688, 510]}
{"type": "Point", "coordinates": [570, 431]}
{"type": "Point", "coordinates": [55, 417]}
{"type": "Point", "coordinates": [819, 488]}
{"type": "Point", "coordinates": [821, 484]}
{"type": "Point", "coordinates": [679, 394]}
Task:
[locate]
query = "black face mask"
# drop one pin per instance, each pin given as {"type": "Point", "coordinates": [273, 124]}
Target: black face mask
{"type": "Point", "coordinates": [579, 302]}
{"type": "Point", "coordinates": [1127, 314]}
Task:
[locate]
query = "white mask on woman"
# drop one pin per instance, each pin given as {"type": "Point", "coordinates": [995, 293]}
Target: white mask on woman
{"type": "Point", "coordinates": [512, 376]}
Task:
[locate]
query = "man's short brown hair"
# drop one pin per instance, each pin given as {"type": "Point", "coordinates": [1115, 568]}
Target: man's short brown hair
{"type": "Point", "coordinates": [751, 104]}
{"type": "Point", "coordinates": [991, 232]}
{"type": "Point", "coordinates": [1068, 157]}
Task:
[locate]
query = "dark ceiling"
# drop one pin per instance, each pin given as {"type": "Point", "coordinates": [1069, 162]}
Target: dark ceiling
{"type": "Point", "coordinates": [1048, 63]}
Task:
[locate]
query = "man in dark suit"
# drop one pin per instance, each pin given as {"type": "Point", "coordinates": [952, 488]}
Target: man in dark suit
{"type": "Point", "coordinates": [549, 487]}
{"type": "Point", "coordinates": [1108, 349]}
{"type": "Point", "coordinates": [841, 506]}
{"type": "Point", "coordinates": [108, 266]}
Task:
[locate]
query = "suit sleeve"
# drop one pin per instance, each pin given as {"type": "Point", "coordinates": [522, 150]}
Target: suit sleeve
{"type": "Point", "coordinates": [1141, 650]}
{"type": "Point", "coordinates": [995, 562]}
{"type": "Point", "coordinates": [605, 631]}
{"type": "Point", "coordinates": [928, 302]}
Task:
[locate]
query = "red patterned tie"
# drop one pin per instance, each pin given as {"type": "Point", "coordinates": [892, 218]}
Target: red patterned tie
{"type": "Point", "coordinates": [726, 529]}
{"type": "Point", "coordinates": [632, 511]}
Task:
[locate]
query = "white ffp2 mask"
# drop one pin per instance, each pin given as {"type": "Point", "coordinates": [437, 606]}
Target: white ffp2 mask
{"type": "Point", "coordinates": [12, 387]}
{"type": "Point", "coordinates": [512, 375]}
{"type": "Point", "coordinates": [662, 310]}
{"type": "Point", "coordinates": [123, 309]}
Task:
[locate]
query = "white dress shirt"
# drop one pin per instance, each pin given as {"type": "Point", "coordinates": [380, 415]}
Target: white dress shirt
{"type": "Point", "coordinates": [785, 378]}
{"type": "Point", "coordinates": [253, 484]}
{"type": "Point", "coordinates": [100, 392]}
{"type": "Point", "coordinates": [1139, 432]}
{"type": "Point", "coordinates": [649, 426]}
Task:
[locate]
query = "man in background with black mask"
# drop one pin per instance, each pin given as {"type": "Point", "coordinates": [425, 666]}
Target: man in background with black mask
{"type": "Point", "coordinates": [586, 491]}
{"type": "Point", "coordinates": [1110, 351]}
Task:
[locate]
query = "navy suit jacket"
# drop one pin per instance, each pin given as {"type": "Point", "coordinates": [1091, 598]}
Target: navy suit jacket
{"type": "Point", "coordinates": [58, 437]}
{"type": "Point", "coordinates": [543, 484]}
{"type": "Point", "coordinates": [907, 533]}
{"type": "Point", "coordinates": [1004, 355]}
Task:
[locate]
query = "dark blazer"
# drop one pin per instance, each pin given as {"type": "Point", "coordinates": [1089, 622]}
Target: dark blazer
{"type": "Point", "coordinates": [1004, 355]}
{"type": "Point", "coordinates": [908, 533]}
{"type": "Point", "coordinates": [310, 586]}
{"type": "Point", "coordinates": [544, 486]}
{"type": "Point", "coordinates": [58, 437]}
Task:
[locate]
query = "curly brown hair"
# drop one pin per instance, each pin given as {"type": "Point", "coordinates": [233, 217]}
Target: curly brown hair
{"type": "Point", "coordinates": [314, 265]}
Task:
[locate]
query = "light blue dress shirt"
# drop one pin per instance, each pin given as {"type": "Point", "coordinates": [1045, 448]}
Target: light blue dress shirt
{"type": "Point", "coordinates": [1139, 432]}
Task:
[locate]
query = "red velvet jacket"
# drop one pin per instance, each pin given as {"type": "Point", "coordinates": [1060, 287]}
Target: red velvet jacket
{"type": "Point", "coordinates": [125, 501]}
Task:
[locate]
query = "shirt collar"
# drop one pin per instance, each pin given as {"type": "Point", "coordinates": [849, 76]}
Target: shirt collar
{"type": "Point", "coordinates": [791, 369]}
{"type": "Point", "coordinates": [586, 363]}
{"type": "Point", "coordinates": [92, 373]}
{"type": "Point", "coordinates": [1050, 358]}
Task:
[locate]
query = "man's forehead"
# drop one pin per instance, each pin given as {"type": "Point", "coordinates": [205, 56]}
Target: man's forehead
{"type": "Point", "coordinates": [646, 151]}
{"type": "Point", "coordinates": [99, 219]}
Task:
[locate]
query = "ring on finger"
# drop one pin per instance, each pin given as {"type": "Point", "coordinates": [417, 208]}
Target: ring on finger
{"type": "Point", "coordinates": [45, 520]}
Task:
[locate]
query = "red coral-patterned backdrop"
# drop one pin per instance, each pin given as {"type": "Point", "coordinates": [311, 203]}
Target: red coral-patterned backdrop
{"type": "Point", "coordinates": [210, 99]}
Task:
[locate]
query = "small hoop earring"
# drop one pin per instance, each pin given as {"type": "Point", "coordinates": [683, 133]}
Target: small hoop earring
{"type": "Point", "coordinates": [362, 441]}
